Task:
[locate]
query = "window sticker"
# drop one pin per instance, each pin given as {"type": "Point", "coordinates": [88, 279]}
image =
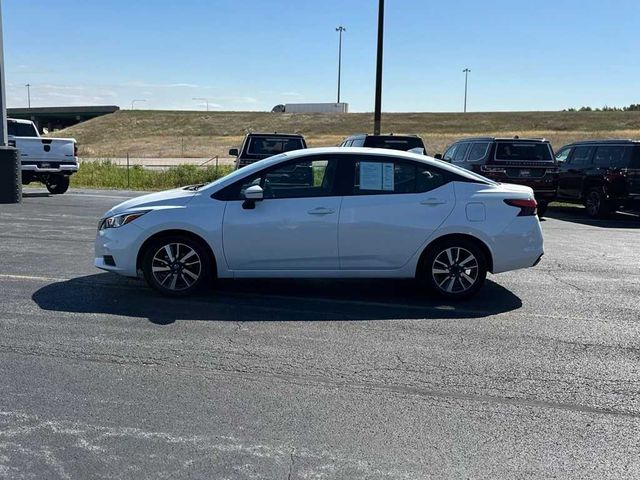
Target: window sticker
{"type": "Point", "coordinates": [370, 176]}
{"type": "Point", "coordinates": [377, 176]}
{"type": "Point", "coordinates": [387, 176]}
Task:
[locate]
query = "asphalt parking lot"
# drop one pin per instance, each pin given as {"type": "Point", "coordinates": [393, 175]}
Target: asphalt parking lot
{"type": "Point", "coordinates": [537, 377]}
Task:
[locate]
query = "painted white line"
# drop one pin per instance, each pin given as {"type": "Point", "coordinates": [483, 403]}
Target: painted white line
{"type": "Point", "coordinates": [96, 195]}
{"type": "Point", "coordinates": [32, 277]}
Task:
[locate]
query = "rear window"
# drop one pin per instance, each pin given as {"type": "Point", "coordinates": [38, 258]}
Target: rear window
{"type": "Point", "coordinates": [394, 143]}
{"type": "Point", "coordinates": [273, 145]}
{"type": "Point", "coordinates": [16, 129]}
{"type": "Point", "coordinates": [523, 151]}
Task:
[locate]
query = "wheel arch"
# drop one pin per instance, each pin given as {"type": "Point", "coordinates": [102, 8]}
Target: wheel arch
{"type": "Point", "coordinates": [455, 236]}
{"type": "Point", "coordinates": [173, 232]}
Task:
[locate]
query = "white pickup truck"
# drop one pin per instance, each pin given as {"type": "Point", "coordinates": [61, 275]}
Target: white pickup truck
{"type": "Point", "coordinates": [48, 160]}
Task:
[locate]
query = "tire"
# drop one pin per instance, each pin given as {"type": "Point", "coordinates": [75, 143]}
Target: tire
{"type": "Point", "coordinates": [455, 269]}
{"type": "Point", "coordinates": [542, 208]}
{"type": "Point", "coordinates": [176, 265]}
{"type": "Point", "coordinates": [57, 184]}
{"type": "Point", "coordinates": [596, 204]}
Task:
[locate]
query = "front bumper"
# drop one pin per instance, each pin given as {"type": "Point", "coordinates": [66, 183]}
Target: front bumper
{"type": "Point", "coordinates": [122, 244]}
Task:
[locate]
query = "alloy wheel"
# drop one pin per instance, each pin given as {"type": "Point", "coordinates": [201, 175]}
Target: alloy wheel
{"type": "Point", "coordinates": [176, 266]}
{"type": "Point", "coordinates": [455, 270]}
{"type": "Point", "coordinates": [593, 203]}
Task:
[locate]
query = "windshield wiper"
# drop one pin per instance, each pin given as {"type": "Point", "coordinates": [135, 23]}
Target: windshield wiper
{"type": "Point", "coordinates": [194, 187]}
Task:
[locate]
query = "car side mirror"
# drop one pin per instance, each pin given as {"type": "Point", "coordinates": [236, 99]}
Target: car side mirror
{"type": "Point", "coordinates": [438, 156]}
{"type": "Point", "coordinates": [252, 195]}
{"type": "Point", "coordinates": [233, 152]}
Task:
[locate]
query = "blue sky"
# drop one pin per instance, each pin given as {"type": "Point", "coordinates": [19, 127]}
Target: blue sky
{"type": "Point", "coordinates": [253, 54]}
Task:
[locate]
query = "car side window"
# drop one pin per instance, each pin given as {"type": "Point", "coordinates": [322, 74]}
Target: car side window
{"type": "Point", "coordinates": [563, 155]}
{"type": "Point", "coordinates": [388, 177]}
{"type": "Point", "coordinates": [460, 153]}
{"type": "Point", "coordinates": [308, 178]}
{"type": "Point", "coordinates": [477, 151]}
{"type": "Point", "coordinates": [358, 142]}
{"type": "Point", "coordinates": [614, 156]}
{"type": "Point", "coordinates": [581, 156]}
{"type": "Point", "coordinates": [448, 155]}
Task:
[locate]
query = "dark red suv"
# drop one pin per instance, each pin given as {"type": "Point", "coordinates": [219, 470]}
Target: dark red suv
{"type": "Point", "coordinates": [524, 161]}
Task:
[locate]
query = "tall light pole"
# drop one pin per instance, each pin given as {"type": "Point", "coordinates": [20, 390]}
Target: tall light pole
{"type": "Point", "coordinates": [134, 101]}
{"type": "Point", "coordinates": [3, 105]}
{"type": "Point", "coordinates": [28, 85]}
{"type": "Point", "coordinates": [377, 114]}
{"type": "Point", "coordinates": [340, 29]}
{"type": "Point", "coordinates": [466, 82]}
{"type": "Point", "coordinates": [202, 99]}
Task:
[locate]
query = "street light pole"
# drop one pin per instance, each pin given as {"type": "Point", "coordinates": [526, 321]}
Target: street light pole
{"type": "Point", "coordinates": [340, 29]}
{"type": "Point", "coordinates": [202, 99]}
{"type": "Point", "coordinates": [378, 106]}
{"type": "Point", "coordinates": [466, 80]}
{"type": "Point", "coordinates": [3, 105]}
{"type": "Point", "coordinates": [28, 85]}
{"type": "Point", "coordinates": [134, 101]}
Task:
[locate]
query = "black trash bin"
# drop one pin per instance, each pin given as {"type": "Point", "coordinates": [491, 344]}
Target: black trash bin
{"type": "Point", "coordinates": [10, 176]}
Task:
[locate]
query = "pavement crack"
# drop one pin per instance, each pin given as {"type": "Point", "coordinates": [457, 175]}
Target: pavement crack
{"type": "Point", "coordinates": [291, 463]}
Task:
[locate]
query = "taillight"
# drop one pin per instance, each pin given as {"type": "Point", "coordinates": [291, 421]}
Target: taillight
{"type": "Point", "coordinates": [527, 207]}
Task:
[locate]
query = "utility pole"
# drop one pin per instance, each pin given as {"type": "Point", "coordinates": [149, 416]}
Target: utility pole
{"type": "Point", "coordinates": [340, 29]}
{"type": "Point", "coordinates": [28, 85]}
{"type": "Point", "coordinates": [3, 104]}
{"type": "Point", "coordinates": [377, 114]}
{"type": "Point", "coordinates": [466, 81]}
{"type": "Point", "coordinates": [202, 99]}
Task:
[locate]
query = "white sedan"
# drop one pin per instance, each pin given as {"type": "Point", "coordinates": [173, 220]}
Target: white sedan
{"type": "Point", "coordinates": [330, 213]}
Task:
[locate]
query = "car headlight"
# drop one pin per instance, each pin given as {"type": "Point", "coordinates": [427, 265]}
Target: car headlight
{"type": "Point", "coordinates": [119, 220]}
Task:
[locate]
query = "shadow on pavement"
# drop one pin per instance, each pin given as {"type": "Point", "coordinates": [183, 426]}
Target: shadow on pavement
{"type": "Point", "coordinates": [577, 214]}
{"type": "Point", "coordinates": [269, 300]}
{"type": "Point", "coordinates": [35, 194]}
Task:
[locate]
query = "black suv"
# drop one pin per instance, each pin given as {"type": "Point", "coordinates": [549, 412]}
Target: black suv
{"type": "Point", "coordinates": [604, 175]}
{"type": "Point", "coordinates": [391, 141]}
{"type": "Point", "coordinates": [524, 161]}
{"type": "Point", "coordinates": [258, 146]}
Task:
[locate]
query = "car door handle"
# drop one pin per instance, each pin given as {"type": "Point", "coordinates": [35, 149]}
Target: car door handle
{"type": "Point", "coordinates": [321, 211]}
{"type": "Point", "coordinates": [433, 201]}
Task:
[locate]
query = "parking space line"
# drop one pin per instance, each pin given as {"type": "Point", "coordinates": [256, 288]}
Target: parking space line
{"type": "Point", "coordinates": [32, 277]}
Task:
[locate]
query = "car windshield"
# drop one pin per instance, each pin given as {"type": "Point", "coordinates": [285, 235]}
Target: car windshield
{"type": "Point", "coordinates": [523, 151]}
{"type": "Point", "coordinates": [19, 129]}
{"type": "Point", "coordinates": [394, 143]}
{"type": "Point", "coordinates": [273, 145]}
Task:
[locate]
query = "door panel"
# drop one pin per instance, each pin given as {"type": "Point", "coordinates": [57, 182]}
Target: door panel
{"type": "Point", "coordinates": [385, 231]}
{"type": "Point", "coordinates": [282, 234]}
{"type": "Point", "coordinates": [574, 171]}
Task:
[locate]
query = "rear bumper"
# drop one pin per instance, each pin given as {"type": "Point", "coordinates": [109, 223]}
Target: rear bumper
{"type": "Point", "coordinates": [520, 245]}
{"type": "Point", "coordinates": [66, 169]}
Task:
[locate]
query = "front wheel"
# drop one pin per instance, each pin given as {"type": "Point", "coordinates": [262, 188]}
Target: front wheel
{"type": "Point", "coordinates": [455, 269]}
{"type": "Point", "coordinates": [542, 207]}
{"type": "Point", "coordinates": [176, 266]}
{"type": "Point", "coordinates": [57, 184]}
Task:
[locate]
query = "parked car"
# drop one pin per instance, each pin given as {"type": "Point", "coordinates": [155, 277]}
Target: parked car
{"type": "Point", "coordinates": [258, 146]}
{"type": "Point", "coordinates": [394, 142]}
{"type": "Point", "coordinates": [48, 160]}
{"type": "Point", "coordinates": [604, 175]}
{"type": "Point", "coordinates": [523, 161]}
{"type": "Point", "coordinates": [354, 213]}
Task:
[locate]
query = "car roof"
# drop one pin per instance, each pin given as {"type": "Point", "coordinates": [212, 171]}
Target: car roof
{"type": "Point", "coordinates": [273, 134]}
{"type": "Point", "coordinates": [503, 139]}
{"type": "Point", "coordinates": [403, 135]}
{"type": "Point", "coordinates": [606, 141]}
{"type": "Point", "coordinates": [342, 151]}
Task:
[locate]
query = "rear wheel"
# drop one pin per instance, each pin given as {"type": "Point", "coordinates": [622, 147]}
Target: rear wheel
{"type": "Point", "coordinates": [57, 184]}
{"type": "Point", "coordinates": [542, 208]}
{"type": "Point", "coordinates": [176, 266]}
{"type": "Point", "coordinates": [596, 203]}
{"type": "Point", "coordinates": [455, 269]}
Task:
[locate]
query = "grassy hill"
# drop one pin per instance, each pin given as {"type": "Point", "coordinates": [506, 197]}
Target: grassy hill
{"type": "Point", "coordinates": [200, 134]}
